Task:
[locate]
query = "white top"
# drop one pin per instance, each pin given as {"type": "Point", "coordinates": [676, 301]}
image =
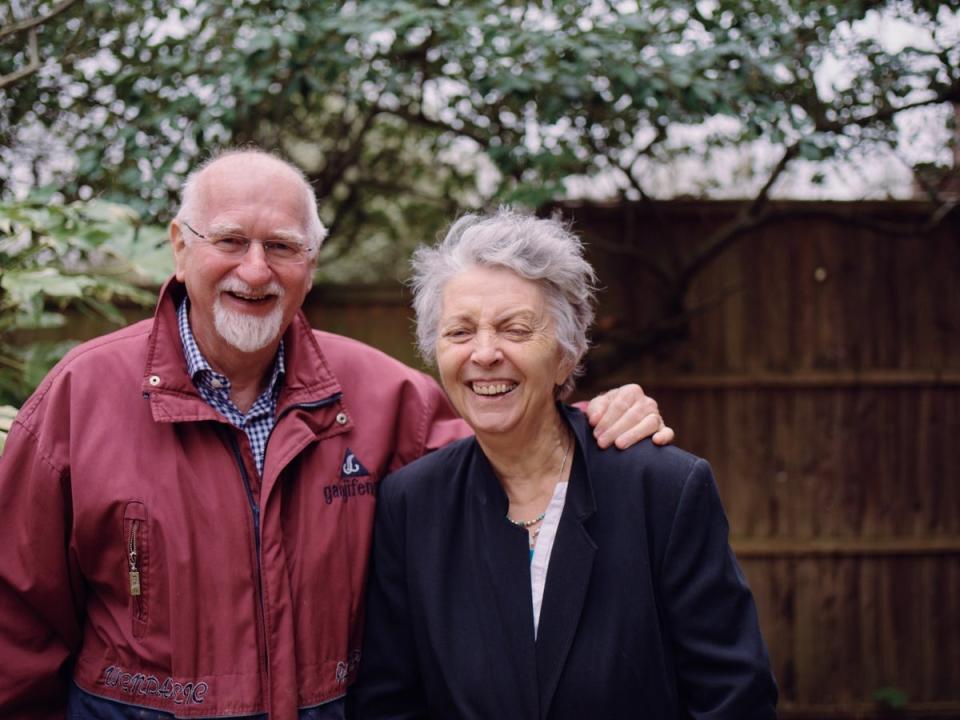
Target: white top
{"type": "Point", "coordinates": [540, 562]}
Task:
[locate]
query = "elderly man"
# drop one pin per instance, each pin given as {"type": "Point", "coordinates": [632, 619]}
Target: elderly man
{"type": "Point", "coordinates": [187, 503]}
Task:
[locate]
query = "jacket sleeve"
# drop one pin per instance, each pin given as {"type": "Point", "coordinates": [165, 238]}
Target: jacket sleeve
{"type": "Point", "coordinates": [388, 684]}
{"type": "Point", "coordinates": [436, 422]}
{"type": "Point", "coordinates": [40, 599]}
{"type": "Point", "coordinates": [722, 664]}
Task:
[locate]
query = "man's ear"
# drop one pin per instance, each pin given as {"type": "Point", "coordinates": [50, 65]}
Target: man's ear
{"type": "Point", "coordinates": [179, 244]}
{"type": "Point", "coordinates": [311, 273]}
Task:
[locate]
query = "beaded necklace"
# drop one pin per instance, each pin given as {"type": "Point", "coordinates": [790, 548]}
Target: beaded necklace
{"type": "Point", "coordinates": [527, 524]}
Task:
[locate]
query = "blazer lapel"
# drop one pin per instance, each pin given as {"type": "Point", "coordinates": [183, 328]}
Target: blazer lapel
{"type": "Point", "coordinates": [568, 578]}
{"type": "Point", "coordinates": [503, 560]}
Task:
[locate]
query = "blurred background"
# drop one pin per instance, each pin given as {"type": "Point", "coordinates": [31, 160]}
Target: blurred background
{"type": "Point", "coordinates": [768, 189]}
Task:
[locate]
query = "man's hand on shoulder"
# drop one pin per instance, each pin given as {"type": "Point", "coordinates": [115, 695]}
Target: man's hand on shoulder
{"type": "Point", "coordinates": [624, 416]}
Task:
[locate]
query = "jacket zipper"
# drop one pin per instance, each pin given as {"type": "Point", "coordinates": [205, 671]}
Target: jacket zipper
{"type": "Point", "coordinates": [134, 569]}
{"type": "Point", "coordinates": [309, 405]}
{"type": "Point", "coordinates": [255, 512]}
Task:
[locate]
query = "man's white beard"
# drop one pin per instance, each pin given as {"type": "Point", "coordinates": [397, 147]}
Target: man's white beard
{"type": "Point", "coordinates": [247, 333]}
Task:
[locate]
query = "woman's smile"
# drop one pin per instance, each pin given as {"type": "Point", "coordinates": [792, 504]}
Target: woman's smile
{"type": "Point", "coordinates": [492, 389]}
{"type": "Point", "coordinates": [497, 353]}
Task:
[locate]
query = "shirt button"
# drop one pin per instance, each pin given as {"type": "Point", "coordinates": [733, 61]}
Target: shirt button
{"type": "Point", "coordinates": [342, 418]}
{"type": "Point", "coordinates": [216, 384]}
{"type": "Point", "coordinates": [154, 380]}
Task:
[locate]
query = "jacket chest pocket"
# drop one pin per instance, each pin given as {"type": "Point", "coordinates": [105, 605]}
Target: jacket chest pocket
{"type": "Point", "coordinates": [136, 552]}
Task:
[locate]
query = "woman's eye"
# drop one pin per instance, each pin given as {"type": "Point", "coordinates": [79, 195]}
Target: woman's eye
{"type": "Point", "coordinates": [459, 334]}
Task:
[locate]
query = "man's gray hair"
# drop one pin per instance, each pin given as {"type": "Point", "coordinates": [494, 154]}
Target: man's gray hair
{"type": "Point", "coordinates": [190, 202]}
{"type": "Point", "coordinates": [541, 250]}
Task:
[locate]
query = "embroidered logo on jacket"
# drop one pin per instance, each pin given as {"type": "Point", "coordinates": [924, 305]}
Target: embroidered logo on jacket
{"type": "Point", "coordinates": [354, 481]}
{"type": "Point", "coordinates": [189, 693]}
{"type": "Point", "coordinates": [347, 669]}
{"type": "Point", "coordinates": [348, 488]}
{"type": "Point", "coordinates": [352, 467]}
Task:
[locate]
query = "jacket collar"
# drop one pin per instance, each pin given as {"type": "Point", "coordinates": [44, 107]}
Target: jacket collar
{"type": "Point", "coordinates": [166, 380]}
{"type": "Point", "coordinates": [538, 664]}
{"type": "Point", "coordinates": [571, 566]}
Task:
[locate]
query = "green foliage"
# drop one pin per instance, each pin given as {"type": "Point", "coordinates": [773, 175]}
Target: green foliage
{"type": "Point", "coordinates": [892, 698]}
{"type": "Point", "coordinates": [403, 112]}
{"type": "Point", "coordinates": [57, 258]}
{"type": "Point", "coordinates": [7, 414]}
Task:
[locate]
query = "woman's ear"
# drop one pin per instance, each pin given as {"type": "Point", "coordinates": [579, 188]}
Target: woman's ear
{"type": "Point", "coordinates": [564, 368]}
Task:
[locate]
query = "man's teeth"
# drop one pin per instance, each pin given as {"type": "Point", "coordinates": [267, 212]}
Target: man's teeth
{"type": "Point", "coordinates": [244, 296]}
{"type": "Point", "coordinates": [492, 388]}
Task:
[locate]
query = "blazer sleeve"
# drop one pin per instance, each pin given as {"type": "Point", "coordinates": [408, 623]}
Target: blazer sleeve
{"type": "Point", "coordinates": [388, 684]}
{"type": "Point", "coordinates": [722, 665]}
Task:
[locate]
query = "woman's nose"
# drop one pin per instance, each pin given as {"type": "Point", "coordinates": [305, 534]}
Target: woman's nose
{"type": "Point", "coordinates": [486, 351]}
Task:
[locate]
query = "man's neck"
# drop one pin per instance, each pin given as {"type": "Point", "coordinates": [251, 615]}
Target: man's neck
{"type": "Point", "coordinates": [248, 373]}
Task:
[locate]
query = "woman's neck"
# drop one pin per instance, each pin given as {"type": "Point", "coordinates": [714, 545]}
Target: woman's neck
{"type": "Point", "coordinates": [529, 470]}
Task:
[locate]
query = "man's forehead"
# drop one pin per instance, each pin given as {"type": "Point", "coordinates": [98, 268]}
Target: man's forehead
{"type": "Point", "coordinates": [261, 186]}
{"type": "Point", "coordinates": [243, 172]}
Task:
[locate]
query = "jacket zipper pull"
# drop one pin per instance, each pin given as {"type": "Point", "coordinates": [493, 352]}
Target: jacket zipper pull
{"type": "Point", "coordinates": [132, 558]}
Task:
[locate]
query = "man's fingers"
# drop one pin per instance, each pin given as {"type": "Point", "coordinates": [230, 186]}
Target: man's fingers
{"type": "Point", "coordinates": [633, 427]}
{"type": "Point", "coordinates": [626, 416]}
{"type": "Point", "coordinates": [664, 436]}
{"type": "Point", "coordinates": [597, 407]}
{"type": "Point", "coordinates": [614, 404]}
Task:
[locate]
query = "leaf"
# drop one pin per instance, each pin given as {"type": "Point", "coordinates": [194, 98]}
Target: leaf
{"type": "Point", "coordinates": [7, 415]}
{"type": "Point", "coordinates": [40, 357]}
{"type": "Point", "coordinates": [809, 150]}
{"type": "Point", "coordinates": [891, 697]}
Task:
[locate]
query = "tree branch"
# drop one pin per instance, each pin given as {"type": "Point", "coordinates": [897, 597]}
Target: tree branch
{"type": "Point", "coordinates": [747, 219]}
{"type": "Point", "coordinates": [419, 118]}
{"type": "Point", "coordinates": [31, 23]}
{"type": "Point", "coordinates": [627, 169]}
{"type": "Point", "coordinates": [613, 347]}
{"type": "Point", "coordinates": [662, 226]}
{"type": "Point", "coordinates": [950, 93]}
{"type": "Point", "coordinates": [32, 67]}
{"type": "Point", "coordinates": [30, 26]}
{"type": "Point", "coordinates": [638, 257]}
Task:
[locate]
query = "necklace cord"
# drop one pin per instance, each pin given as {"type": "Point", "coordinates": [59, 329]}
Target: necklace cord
{"type": "Point", "coordinates": [526, 524]}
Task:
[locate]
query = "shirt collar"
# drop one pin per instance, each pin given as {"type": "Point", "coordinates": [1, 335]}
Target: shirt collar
{"type": "Point", "coordinates": [197, 364]}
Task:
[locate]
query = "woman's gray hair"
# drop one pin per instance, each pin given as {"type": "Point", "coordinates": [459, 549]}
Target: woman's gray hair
{"type": "Point", "coordinates": [190, 202]}
{"type": "Point", "coordinates": [541, 250]}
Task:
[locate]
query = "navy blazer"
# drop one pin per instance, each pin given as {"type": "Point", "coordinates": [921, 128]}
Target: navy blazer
{"type": "Point", "coordinates": [645, 612]}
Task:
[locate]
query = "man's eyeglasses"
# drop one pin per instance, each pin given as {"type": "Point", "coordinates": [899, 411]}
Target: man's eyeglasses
{"type": "Point", "coordinates": [235, 246]}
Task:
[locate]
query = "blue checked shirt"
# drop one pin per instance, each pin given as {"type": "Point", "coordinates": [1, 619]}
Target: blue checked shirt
{"type": "Point", "coordinates": [215, 389]}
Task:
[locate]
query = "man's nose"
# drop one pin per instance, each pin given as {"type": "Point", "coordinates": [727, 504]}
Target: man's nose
{"type": "Point", "coordinates": [254, 267]}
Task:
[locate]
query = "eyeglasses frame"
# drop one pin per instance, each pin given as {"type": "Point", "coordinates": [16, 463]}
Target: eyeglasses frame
{"type": "Point", "coordinates": [305, 253]}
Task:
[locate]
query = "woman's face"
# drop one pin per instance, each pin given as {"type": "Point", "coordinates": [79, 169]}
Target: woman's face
{"type": "Point", "coordinates": [497, 353]}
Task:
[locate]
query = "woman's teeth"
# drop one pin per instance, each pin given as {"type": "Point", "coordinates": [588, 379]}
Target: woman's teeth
{"type": "Point", "coordinates": [493, 388]}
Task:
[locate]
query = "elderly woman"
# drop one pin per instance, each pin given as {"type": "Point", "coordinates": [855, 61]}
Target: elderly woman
{"type": "Point", "coordinates": [525, 573]}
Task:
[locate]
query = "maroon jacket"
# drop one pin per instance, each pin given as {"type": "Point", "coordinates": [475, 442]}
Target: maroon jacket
{"type": "Point", "coordinates": [250, 587]}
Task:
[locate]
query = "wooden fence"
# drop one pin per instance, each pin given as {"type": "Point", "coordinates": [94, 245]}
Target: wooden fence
{"type": "Point", "coordinates": [818, 369]}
